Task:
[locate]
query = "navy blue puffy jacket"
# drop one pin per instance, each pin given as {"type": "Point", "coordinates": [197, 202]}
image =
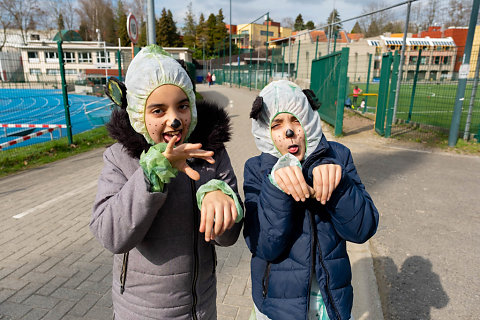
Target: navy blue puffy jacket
{"type": "Point", "coordinates": [284, 235]}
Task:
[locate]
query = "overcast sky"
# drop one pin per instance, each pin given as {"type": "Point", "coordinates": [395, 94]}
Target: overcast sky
{"type": "Point", "coordinates": [246, 11]}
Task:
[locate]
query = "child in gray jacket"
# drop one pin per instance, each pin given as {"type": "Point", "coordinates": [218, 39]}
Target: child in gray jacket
{"type": "Point", "coordinates": [162, 202]}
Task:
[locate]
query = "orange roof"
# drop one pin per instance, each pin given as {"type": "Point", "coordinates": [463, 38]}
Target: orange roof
{"type": "Point", "coordinates": [320, 34]}
{"type": "Point", "coordinates": [356, 36]}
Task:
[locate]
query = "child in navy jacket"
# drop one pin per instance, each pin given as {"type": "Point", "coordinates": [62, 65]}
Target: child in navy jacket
{"type": "Point", "coordinates": [303, 201]}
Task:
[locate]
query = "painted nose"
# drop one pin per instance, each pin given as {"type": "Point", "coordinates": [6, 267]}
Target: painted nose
{"type": "Point", "coordinates": [175, 124]}
{"type": "Point", "coordinates": [289, 133]}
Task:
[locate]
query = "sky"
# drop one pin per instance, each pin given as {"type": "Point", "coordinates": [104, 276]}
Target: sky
{"type": "Point", "coordinates": [246, 11]}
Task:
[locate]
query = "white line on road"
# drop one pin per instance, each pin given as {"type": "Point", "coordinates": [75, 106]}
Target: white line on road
{"type": "Point", "coordinates": [48, 203]}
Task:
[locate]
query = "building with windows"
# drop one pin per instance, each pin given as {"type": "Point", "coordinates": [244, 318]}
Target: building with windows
{"type": "Point", "coordinates": [36, 59]}
{"type": "Point", "coordinates": [254, 35]}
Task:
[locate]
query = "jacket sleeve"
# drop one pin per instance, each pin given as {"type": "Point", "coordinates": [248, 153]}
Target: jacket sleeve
{"type": "Point", "coordinates": [124, 209]}
{"type": "Point", "coordinates": [353, 214]}
{"type": "Point", "coordinates": [268, 214]}
{"type": "Point", "coordinates": [224, 172]}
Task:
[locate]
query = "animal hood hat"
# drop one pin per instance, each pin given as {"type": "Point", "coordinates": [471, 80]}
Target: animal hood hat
{"type": "Point", "coordinates": [151, 68]}
{"type": "Point", "coordinates": [283, 96]}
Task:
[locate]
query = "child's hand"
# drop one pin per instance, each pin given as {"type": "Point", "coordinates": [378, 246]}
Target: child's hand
{"type": "Point", "coordinates": [292, 182]}
{"type": "Point", "coordinates": [218, 214]}
{"type": "Point", "coordinates": [326, 178]}
{"type": "Point", "coordinates": [178, 156]}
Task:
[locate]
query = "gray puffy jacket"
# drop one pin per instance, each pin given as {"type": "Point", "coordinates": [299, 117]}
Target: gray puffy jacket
{"type": "Point", "coordinates": [170, 272]}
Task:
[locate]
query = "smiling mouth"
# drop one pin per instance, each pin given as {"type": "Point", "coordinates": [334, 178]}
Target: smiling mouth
{"type": "Point", "coordinates": [167, 136]}
{"type": "Point", "coordinates": [293, 149]}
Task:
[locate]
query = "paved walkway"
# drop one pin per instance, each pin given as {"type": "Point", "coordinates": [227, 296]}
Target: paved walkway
{"type": "Point", "coordinates": [52, 268]}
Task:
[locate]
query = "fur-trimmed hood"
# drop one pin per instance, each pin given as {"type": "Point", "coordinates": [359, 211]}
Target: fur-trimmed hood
{"type": "Point", "coordinates": [213, 129]}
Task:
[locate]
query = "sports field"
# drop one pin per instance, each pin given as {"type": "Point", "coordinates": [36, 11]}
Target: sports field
{"type": "Point", "coordinates": [432, 105]}
{"type": "Point", "coordinates": [45, 106]}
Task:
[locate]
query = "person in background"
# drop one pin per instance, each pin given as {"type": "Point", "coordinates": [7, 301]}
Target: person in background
{"type": "Point", "coordinates": [209, 79]}
{"type": "Point", "coordinates": [303, 201]}
{"type": "Point", "coordinates": [356, 92]}
{"type": "Point", "coordinates": [213, 78]}
{"type": "Point", "coordinates": [167, 193]}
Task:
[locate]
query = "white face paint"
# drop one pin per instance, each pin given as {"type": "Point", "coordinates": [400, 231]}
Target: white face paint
{"type": "Point", "coordinates": [165, 104]}
{"type": "Point", "coordinates": [295, 144]}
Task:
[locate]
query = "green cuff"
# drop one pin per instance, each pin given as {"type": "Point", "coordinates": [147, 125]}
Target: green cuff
{"type": "Point", "coordinates": [287, 160]}
{"type": "Point", "coordinates": [216, 184]}
{"type": "Point", "coordinates": [156, 167]}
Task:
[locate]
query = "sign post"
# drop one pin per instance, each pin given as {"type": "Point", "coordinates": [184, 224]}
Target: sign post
{"type": "Point", "coordinates": [132, 30]}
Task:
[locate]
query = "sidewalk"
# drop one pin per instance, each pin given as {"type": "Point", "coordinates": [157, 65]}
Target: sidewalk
{"type": "Point", "coordinates": [52, 268]}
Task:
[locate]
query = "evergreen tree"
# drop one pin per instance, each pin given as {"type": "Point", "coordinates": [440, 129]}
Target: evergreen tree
{"type": "Point", "coordinates": [373, 30]}
{"type": "Point", "coordinates": [333, 18]}
{"type": "Point", "coordinates": [166, 31]}
{"type": "Point", "coordinates": [201, 37]}
{"type": "Point", "coordinates": [298, 25]}
{"type": "Point", "coordinates": [211, 26]}
{"type": "Point", "coordinates": [310, 25]}
{"type": "Point", "coordinates": [121, 25]}
{"type": "Point", "coordinates": [108, 18]}
{"type": "Point", "coordinates": [221, 32]}
{"type": "Point", "coordinates": [176, 41]}
{"type": "Point", "coordinates": [356, 28]}
{"type": "Point", "coordinates": [189, 29]}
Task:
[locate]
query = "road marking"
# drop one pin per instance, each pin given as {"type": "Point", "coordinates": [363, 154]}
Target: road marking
{"type": "Point", "coordinates": [48, 203]}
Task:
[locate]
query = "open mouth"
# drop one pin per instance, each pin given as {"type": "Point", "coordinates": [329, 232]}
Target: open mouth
{"type": "Point", "coordinates": [293, 149]}
{"type": "Point", "coordinates": [167, 136]}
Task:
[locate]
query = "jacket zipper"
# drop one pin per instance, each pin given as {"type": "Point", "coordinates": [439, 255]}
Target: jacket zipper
{"type": "Point", "coordinates": [330, 298]}
{"type": "Point", "coordinates": [265, 279]}
{"type": "Point", "coordinates": [312, 255]}
{"type": "Point", "coordinates": [195, 252]}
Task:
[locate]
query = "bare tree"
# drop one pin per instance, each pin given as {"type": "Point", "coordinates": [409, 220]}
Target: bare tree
{"type": "Point", "coordinates": [137, 7]}
{"type": "Point", "coordinates": [23, 14]}
{"type": "Point", "coordinates": [287, 22]}
{"type": "Point", "coordinates": [379, 20]}
{"type": "Point", "coordinates": [97, 14]}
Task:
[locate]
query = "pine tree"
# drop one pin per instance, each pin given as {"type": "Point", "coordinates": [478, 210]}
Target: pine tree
{"type": "Point", "coordinates": [167, 35]}
{"type": "Point", "coordinates": [201, 37]}
{"type": "Point", "coordinates": [189, 29]}
{"type": "Point", "coordinates": [373, 30]}
{"type": "Point", "coordinates": [121, 25]}
{"type": "Point", "coordinates": [221, 32]}
{"type": "Point", "coordinates": [310, 25]}
{"type": "Point", "coordinates": [298, 25]}
{"type": "Point", "coordinates": [333, 18]}
{"type": "Point", "coordinates": [211, 26]}
{"type": "Point", "coordinates": [356, 28]}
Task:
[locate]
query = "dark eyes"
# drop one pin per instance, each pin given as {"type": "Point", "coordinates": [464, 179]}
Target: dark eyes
{"type": "Point", "coordinates": [184, 107]}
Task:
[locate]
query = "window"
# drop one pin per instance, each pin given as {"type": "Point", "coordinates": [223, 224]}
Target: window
{"type": "Point", "coordinates": [412, 60]}
{"type": "Point", "coordinates": [51, 72]}
{"type": "Point", "coordinates": [446, 60]}
{"type": "Point", "coordinates": [264, 33]}
{"type": "Point", "coordinates": [34, 37]}
{"type": "Point", "coordinates": [423, 60]}
{"type": "Point", "coordinates": [244, 32]}
{"type": "Point", "coordinates": [69, 57]}
{"type": "Point", "coordinates": [35, 71]}
{"type": "Point", "coordinates": [51, 57]}
{"type": "Point", "coordinates": [33, 57]}
{"type": "Point", "coordinates": [85, 57]}
{"type": "Point", "coordinates": [101, 57]}
{"type": "Point", "coordinates": [71, 71]}
{"type": "Point", "coordinates": [436, 60]}
{"type": "Point", "coordinates": [32, 54]}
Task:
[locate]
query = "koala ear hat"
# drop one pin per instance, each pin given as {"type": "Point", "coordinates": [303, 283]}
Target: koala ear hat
{"type": "Point", "coordinates": [284, 96]}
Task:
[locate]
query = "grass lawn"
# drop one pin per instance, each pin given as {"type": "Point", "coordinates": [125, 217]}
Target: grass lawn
{"type": "Point", "coordinates": [22, 158]}
{"type": "Point", "coordinates": [433, 104]}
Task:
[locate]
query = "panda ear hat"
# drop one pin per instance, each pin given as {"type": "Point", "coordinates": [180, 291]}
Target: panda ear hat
{"type": "Point", "coordinates": [117, 92]}
{"type": "Point", "coordinates": [284, 96]}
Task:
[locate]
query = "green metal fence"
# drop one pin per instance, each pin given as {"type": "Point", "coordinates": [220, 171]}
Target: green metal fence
{"type": "Point", "coordinates": [329, 83]}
